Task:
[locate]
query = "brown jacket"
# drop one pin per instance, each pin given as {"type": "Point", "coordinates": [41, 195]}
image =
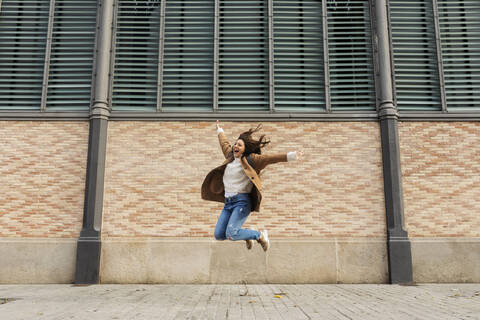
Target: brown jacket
{"type": "Point", "coordinates": [212, 187]}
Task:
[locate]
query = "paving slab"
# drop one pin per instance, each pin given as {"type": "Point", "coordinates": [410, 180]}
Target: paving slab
{"type": "Point", "coordinates": [242, 301]}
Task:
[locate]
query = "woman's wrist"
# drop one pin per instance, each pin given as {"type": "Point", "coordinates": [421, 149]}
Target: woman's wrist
{"type": "Point", "coordinates": [219, 130]}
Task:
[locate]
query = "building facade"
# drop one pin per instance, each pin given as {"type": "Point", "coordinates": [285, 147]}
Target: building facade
{"type": "Point", "coordinates": [108, 110]}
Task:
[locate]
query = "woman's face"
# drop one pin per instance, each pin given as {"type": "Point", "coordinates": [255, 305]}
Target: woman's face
{"type": "Point", "coordinates": [238, 148]}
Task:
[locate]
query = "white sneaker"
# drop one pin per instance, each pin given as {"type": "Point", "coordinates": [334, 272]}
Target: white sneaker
{"type": "Point", "coordinates": [263, 240]}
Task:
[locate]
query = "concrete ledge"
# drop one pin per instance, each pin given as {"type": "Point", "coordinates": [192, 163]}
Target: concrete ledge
{"type": "Point", "coordinates": [362, 261]}
{"type": "Point", "coordinates": [446, 260]}
{"type": "Point", "coordinates": [209, 261]}
{"type": "Point", "coordinates": [309, 261]}
{"type": "Point", "coordinates": [438, 260]}
{"type": "Point", "coordinates": [155, 261]}
{"type": "Point", "coordinates": [37, 261]}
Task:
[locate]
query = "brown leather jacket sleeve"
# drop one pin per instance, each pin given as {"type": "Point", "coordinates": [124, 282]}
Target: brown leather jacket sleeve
{"type": "Point", "coordinates": [260, 161]}
{"type": "Point", "coordinates": [224, 144]}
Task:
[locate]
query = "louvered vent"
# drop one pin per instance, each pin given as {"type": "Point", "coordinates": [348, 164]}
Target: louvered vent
{"type": "Point", "coordinates": [136, 55]}
{"type": "Point", "coordinates": [243, 56]}
{"type": "Point", "coordinates": [460, 39]}
{"type": "Point", "coordinates": [188, 56]}
{"type": "Point", "coordinates": [298, 51]}
{"type": "Point", "coordinates": [352, 84]}
{"type": "Point", "coordinates": [415, 55]}
{"type": "Point", "coordinates": [23, 36]}
{"type": "Point", "coordinates": [71, 59]}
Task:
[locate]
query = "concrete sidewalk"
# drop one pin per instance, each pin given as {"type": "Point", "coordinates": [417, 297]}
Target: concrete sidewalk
{"type": "Point", "coordinates": [432, 301]}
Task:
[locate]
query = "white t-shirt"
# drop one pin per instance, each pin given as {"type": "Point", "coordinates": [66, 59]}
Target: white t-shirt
{"type": "Point", "coordinates": [235, 180]}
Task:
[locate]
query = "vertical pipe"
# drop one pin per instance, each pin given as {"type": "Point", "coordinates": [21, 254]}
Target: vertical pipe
{"type": "Point", "coordinates": [375, 51]}
{"type": "Point", "coordinates": [89, 243]}
{"type": "Point", "coordinates": [398, 244]}
{"type": "Point", "coordinates": [116, 8]}
{"type": "Point", "coordinates": [385, 93]}
{"type": "Point", "coordinates": [100, 107]}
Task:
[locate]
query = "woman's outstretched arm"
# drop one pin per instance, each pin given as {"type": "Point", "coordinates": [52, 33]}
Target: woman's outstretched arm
{"type": "Point", "coordinates": [222, 139]}
{"type": "Point", "coordinates": [262, 160]}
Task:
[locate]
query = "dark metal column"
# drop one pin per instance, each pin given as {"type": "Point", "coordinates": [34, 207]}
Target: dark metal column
{"type": "Point", "coordinates": [398, 244]}
{"type": "Point", "coordinates": [89, 244]}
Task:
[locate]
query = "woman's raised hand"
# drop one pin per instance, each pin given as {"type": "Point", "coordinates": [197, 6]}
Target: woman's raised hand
{"type": "Point", "coordinates": [218, 125]}
{"type": "Point", "coordinates": [299, 155]}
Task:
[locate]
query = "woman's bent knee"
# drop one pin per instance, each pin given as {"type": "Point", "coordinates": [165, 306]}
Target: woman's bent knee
{"type": "Point", "coordinates": [232, 233]}
{"type": "Point", "coordinates": [219, 236]}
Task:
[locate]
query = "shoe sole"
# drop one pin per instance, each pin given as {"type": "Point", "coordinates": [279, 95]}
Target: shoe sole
{"type": "Point", "coordinates": [265, 236]}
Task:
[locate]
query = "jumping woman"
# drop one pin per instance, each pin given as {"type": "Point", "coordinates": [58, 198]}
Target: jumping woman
{"type": "Point", "coordinates": [236, 183]}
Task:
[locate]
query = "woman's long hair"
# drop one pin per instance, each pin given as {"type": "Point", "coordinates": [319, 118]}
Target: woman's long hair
{"type": "Point", "coordinates": [252, 145]}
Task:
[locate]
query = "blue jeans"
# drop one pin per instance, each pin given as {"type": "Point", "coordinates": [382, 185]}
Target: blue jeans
{"type": "Point", "coordinates": [233, 216]}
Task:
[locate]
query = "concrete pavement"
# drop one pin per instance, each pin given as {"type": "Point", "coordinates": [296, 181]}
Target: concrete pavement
{"type": "Point", "coordinates": [272, 301]}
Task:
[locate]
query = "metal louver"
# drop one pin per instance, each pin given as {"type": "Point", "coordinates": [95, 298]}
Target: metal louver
{"type": "Point", "coordinates": [243, 79]}
{"type": "Point", "coordinates": [415, 55]}
{"type": "Point", "coordinates": [188, 56]}
{"type": "Point", "coordinates": [460, 39]}
{"type": "Point", "coordinates": [136, 55]}
{"type": "Point", "coordinates": [352, 86]}
{"type": "Point", "coordinates": [298, 52]}
{"type": "Point", "coordinates": [23, 37]}
{"type": "Point", "coordinates": [71, 58]}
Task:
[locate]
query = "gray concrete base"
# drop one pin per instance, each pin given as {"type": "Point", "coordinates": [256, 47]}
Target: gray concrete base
{"type": "Point", "coordinates": [210, 261]}
{"type": "Point", "coordinates": [446, 260]}
{"type": "Point", "coordinates": [436, 260]}
{"type": "Point", "coordinates": [37, 261]}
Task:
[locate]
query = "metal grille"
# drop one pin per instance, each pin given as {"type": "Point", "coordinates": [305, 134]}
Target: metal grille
{"type": "Point", "coordinates": [249, 55]}
{"type": "Point", "coordinates": [136, 55]}
{"type": "Point", "coordinates": [243, 56]}
{"type": "Point", "coordinates": [415, 55]}
{"type": "Point", "coordinates": [46, 54]}
{"type": "Point", "coordinates": [352, 85]}
{"type": "Point", "coordinates": [23, 37]}
{"type": "Point", "coordinates": [298, 52]}
{"type": "Point", "coordinates": [188, 56]}
{"type": "Point", "coordinates": [460, 39]}
{"type": "Point", "coordinates": [73, 40]}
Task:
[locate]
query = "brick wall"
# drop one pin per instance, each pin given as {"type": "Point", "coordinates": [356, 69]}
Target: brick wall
{"type": "Point", "coordinates": [155, 169]}
{"type": "Point", "coordinates": [441, 178]}
{"type": "Point", "coordinates": [42, 170]}
{"type": "Point", "coordinates": [154, 172]}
